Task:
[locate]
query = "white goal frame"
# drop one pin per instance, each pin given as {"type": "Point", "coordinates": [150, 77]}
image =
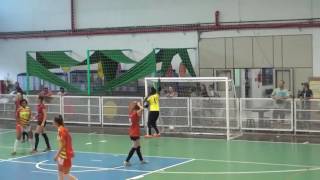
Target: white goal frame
{"type": "Point", "coordinates": [226, 80]}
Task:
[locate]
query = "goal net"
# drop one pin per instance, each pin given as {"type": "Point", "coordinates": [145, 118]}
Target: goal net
{"type": "Point", "coordinates": [196, 106]}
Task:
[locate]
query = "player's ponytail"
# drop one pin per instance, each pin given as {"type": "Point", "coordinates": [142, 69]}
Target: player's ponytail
{"type": "Point", "coordinates": [59, 120]}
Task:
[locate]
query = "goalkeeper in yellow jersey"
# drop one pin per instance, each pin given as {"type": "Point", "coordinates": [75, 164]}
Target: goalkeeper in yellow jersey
{"type": "Point", "coordinates": [152, 101]}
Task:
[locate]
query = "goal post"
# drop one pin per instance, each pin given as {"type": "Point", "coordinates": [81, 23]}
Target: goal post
{"type": "Point", "coordinates": [197, 105]}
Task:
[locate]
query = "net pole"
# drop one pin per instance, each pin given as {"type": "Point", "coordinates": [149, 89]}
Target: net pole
{"type": "Point", "coordinates": [227, 108]}
{"type": "Point", "coordinates": [88, 72]}
{"type": "Point", "coordinates": [28, 76]}
{"type": "Point", "coordinates": [145, 110]}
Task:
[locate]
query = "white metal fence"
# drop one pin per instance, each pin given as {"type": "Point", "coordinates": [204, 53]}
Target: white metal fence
{"type": "Point", "coordinates": [7, 107]}
{"type": "Point", "coordinates": [255, 114]}
{"type": "Point", "coordinates": [115, 110]}
{"type": "Point", "coordinates": [81, 109]}
{"type": "Point", "coordinates": [266, 114]}
{"type": "Point", "coordinates": [307, 115]}
{"type": "Point", "coordinates": [53, 104]}
{"type": "Point", "coordinates": [211, 113]}
{"type": "Point", "coordinates": [174, 112]}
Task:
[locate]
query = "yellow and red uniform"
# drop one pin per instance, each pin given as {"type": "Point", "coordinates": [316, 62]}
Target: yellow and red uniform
{"type": "Point", "coordinates": [134, 130]}
{"type": "Point", "coordinates": [66, 155]}
{"type": "Point", "coordinates": [23, 115]}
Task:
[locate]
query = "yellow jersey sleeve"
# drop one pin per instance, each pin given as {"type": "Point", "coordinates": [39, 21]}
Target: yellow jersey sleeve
{"type": "Point", "coordinates": [153, 101]}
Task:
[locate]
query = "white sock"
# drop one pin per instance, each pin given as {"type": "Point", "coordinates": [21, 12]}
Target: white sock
{"type": "Point", "coordinates": [15, 146]}
{"type": "Point", "coordinates": [31, 143]}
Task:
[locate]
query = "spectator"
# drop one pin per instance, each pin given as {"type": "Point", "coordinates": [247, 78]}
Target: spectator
{"type": "Point", "coordinates": [171, 92]}
{"type": "Point", "coordinates": [18, 89]}
{"type": "Point", "coordinates": [45, 92]}
{"type": "Point", "coordinates": [203, 91]}
{"type": "Point", "coordinates": [61, 92]}
{"type": "Point", "coordinates": [193, 92]}
{"type": "Point", "coordinates": [212, 92]}
{"type": "Point", "coordinates": [304, 96]}
{"type": "Point", "coordinates": [280, 95]}
{"type": "Point", "coordinates": [175, 74]}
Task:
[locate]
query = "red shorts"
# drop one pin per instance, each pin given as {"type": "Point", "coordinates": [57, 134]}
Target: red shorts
{"type": "Point", "coordinates": [64, 165]}
{"type": "Point", "coordinates": [21, 129]}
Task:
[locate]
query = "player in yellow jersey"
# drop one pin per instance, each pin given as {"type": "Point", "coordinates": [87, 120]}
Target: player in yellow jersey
{"type": "Point", "coordinates": [23, 116]}
{"type": "Point", "coordinates": [154, 107]}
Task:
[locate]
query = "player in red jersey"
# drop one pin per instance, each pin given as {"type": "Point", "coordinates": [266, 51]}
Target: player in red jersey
{"type": "Point", "coordinates": [65, 152]}
{"type": "Point", "coordinates": [135, 111]}
{"type": "Point", "coordinates": [41, 124]}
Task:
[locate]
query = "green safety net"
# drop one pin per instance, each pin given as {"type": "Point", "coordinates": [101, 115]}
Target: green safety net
{"type": "Point", "coordinates": [55, 59]}
{"type": "Point", "coordinates": [117, 56]}
{"type": "Point", "coordinates": [166, 55]}
{"type": "Point", "coordinates": [110, 60]}
{"type": "Point", "coordinates": [143, 68]}
{"type": "Point", "coordinates": [35, 68]}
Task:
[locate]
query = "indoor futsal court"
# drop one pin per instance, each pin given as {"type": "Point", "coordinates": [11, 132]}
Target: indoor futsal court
{"type": "Point", "coordinates": [160, 90]}
{"type": "Point", "coordinates": [100, 156]}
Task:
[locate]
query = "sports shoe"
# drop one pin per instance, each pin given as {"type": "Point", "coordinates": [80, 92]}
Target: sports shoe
{"type": "Point", "coordinates": [126, 164]}
{"type": "Point", "coordinates": [34, 151]}
{"type": "Point", "coordinates": [148, 136]}
{"type": "Point", "coordinates": [14, 153]}
{"type": "Point", "coordinates": [156, 135]}
{"type": "Point", "coordinates": [46, 150]}
{"type": "Point", "coordinates": [143, 162]}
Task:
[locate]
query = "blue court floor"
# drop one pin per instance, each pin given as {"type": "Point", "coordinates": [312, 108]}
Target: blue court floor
{"type": "Point", "coordinates": [93, 166]}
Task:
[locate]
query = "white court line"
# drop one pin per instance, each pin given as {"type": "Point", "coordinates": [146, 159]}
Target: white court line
{"type": "Point", "coordinates": [162, 169]}
{"type": "Point", "coordinates": [240, 172]}
{"type": "Point", "coordinates": [204, 139]}
{"type": "Point", "coordinates": [111, 154]}
{"type": "Point", "coordinates": [12, 159]}
{"type": "Point", "coordinates": [5, 132]}
{"type": "Point", "coordinates": [258, 163]}
{"type": "Point", "coordinates": [212, 160]}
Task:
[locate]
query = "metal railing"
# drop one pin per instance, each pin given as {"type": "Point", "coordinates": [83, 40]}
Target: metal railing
{"type": "Point", "coordinates": [211, 113]}
{"type": "Point", "coordinates": [115, 110]}
{"type": "Point", "coordinates": [266, 114]}
{"type": "Point", "coordinates": [257, 114]}
{"type": "Point", "coordinates": [307, 115]}
{"type": "Point", "coordinates": [81, 109]}
{"type": "Point", "coordinates": [174, 112]}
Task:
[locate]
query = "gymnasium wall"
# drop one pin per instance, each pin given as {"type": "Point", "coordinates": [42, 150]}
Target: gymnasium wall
{"type": "Point", "coordinates": [13, 52]}
{"type": "Point", "coordinates": [34, 15]}
{"type": "Point", "coordinates": [296, 49]}
{"type": "Point", "coordinates": [38, 15]}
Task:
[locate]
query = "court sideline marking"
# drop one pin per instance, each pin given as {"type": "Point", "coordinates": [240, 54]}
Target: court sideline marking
{"type": "Point", "coordinates": [162, 169]}
{"type": "Point", "coordinates": [208, 160]}
{"type": "Point", "coordinates": [159, 171]}
{"type": "Point", "coordinates": [205, 139]}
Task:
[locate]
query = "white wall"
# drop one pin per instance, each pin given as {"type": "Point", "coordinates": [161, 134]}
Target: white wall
{"type": "Point", "coordinates": [315, 32]}
{"type": "Point", "coordinates": [26, 15]}
{"type": "Point", "coordinates": [13, 52]}
{"type": "Point", "coordinates": [37, 15]}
